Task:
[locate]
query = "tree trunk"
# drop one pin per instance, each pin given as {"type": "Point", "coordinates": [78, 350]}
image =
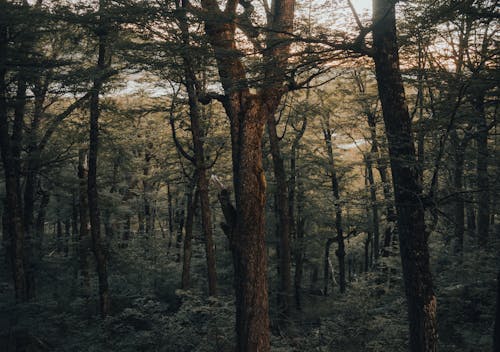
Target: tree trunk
{"type": "Point", "coordinates": [340, 252]}
{"type": "Point", "coordinates": [95, 228]}
{"type": "Point", "coordinates": [84, 233]}
{"type": "Point", "coordinates": [374, 207]}
{"type": "Point", "coordinates": [483, 210]}
{"type": "Point", "coordinates": [248, 113]}
{"type": "Point", "coordinates": [197, 133]}
{"type": "Point", "coordinates": [299, 250]}
{"type": "Point", "coordinates": [407, 189]}
{"type": "Point", "coordinates": [496, 329]}
{"type": "Point", "coordinates": [326, 266]}
{"type": "Point", "coordinates": [459, 207]}
{"type": "Point", "coordinates": [188, 236]}
{"type": "Point", "coordinates": [282, 209]}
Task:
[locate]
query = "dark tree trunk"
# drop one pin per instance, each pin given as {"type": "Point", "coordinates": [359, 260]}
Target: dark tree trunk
{"type": "Point", "coordinates": [95, 227]}
{"type": "Point", "coordinates": [197, 133]}
{"type": "Point", "coordinates": [407, 189]}
{"type": "Point", "coordinates": [40, 224]}
{"type": "Point", "coordinates": [170, 217]}
{"type": "Point", "coordinates": [59, 235]}
{"type": "Point", "coordinates": [374, 207]}
{"type": "Point", "coordinates": [326, 266]}
{"type": "Point", "coordinates": [10, 150]}
{"type": "Point", "coordinates": [367, 251]}
{"type": "Point", "coordinates": [297, 226]}
{"type": "Point", "coordinates": [282, 210]}
{"type": "Point", "coordinates": [84, 233]}
{"type": "Point", "coordinates": [459, 207]}
{"type": "Point", "coordinates": [386, 187]}
{"type": "Point", "coordinates": [482, 181]}
{"type": "Point", "coordinates": [188, 237]}
{"type": "Point", "coordinates": [496, 329]}
{"type": "Point", "coordinates": [340, 252]}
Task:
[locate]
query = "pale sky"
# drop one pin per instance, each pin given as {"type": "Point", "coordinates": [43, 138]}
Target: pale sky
{"type": "Point", "coordinates": [361, 5]}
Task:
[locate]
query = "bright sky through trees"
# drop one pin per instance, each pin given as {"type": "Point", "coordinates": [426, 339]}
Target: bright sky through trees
{"type": "Point", "coordinates": [362, 5]}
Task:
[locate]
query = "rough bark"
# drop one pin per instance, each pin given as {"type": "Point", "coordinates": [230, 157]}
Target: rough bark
{"type": "Point", "coordinates": [248, 113]}
{"type": "Point", "coordinates": [414, 250]}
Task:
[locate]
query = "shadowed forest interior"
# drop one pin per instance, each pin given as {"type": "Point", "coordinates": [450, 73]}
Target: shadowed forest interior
{"type": "Point", "coordinates": [244, 175]}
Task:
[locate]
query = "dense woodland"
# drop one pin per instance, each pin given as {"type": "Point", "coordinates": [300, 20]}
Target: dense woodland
{"type": "Point", "coordinates": [239, 175]}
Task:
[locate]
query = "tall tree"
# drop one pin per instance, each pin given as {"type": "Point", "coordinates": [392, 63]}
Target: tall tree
{"type": "Point", "coordinates": [95, 230]}
{"type": "Point", "coordinates": [248, 112]}
{"type": "Point", "coordinates": [413, 236]}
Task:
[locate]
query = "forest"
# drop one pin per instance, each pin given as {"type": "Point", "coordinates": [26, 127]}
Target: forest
{"type": "Point", "coordinates": [249, 175]}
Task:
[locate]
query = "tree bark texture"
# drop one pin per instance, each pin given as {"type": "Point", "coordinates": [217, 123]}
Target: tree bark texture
{"type": "Point", "coordinates": [414, 250]}
{"type": "Point", "coordinates": [248, 113]}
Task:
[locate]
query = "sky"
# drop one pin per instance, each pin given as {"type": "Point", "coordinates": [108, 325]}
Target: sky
{"type": "Point", "coordinates": [361, 5]}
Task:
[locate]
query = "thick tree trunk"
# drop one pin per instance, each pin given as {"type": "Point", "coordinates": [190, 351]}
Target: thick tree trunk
{"type": "Point", "coordinates": [95, 227]}
{"type": "Point", "coordinates": [282, 209]}
{"type": "Point", "coordinates": [248, 114]}
{"type": "Point", "coordinates": [407, 189]}
{"type": "Point", "coordinates": [10, 151]}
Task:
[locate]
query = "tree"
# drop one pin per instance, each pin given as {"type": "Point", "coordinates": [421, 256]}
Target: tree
{"type": "Point", "coordinates": [95, 226]}
{"type": "Point", "coordinates": [409, 200]}
{"type": "Point", "coordinates": [248, 113]}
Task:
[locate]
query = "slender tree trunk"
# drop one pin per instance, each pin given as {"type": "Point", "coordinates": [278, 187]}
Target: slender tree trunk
{"type": "Point", "coordinates": [282, 209]}
{"type": "Point", "coordinates": [84, 233]}
{"type": "Point", "coordinates": [367, 251]}
{"type": "Point", "coordinates": [299, 250]}
{"type": "Point", "coordinates": [326, 266]}
{"type": "Point", "coordinates": [374, 208]}
{"type": "Point", "coordinates": [95, 227]}
{"type": "Point", "coordinates": [40, 224]}
{"type": "Point", "coordinates": [197, 133]}
{"type": "Point", "coordinates": [496, 329]}
{"type": "Point", "coordinates": [407, 189]}
{"type": "Point", "coordinates": [459, 207]}
{"type": "Point", "coordinates": [340, 252]}
{"type": "Point", "coordinates": [483, 211]}
{"type": "Point", "coordinates": [188, 236]}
